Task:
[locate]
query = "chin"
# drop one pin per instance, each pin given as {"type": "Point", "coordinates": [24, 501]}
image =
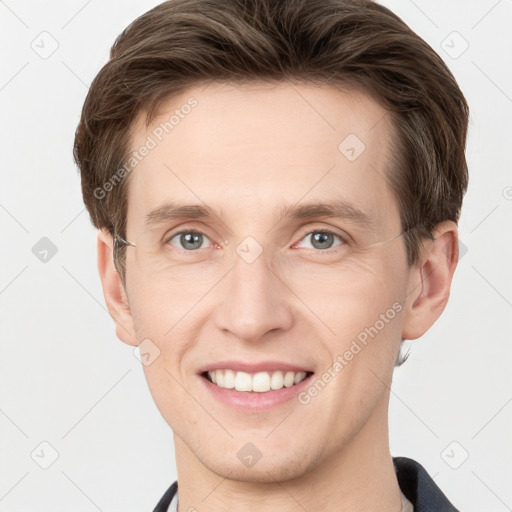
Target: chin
{"type": "Point", "coordinates": [268, 469]}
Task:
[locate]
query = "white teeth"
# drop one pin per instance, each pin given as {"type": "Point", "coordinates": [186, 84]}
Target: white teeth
{"type": "Point", "coordinates": [276, 382]}
{"type": "Point", "coordinates": [229, 379]}
{"type": "Point", "coordinates": [288, 379]}
{"type": "Point", "coordinates": [259, 382]}
{"type": "Point", "coordinates": [298, 377]}
{"type": "Point", "coordinates": [243, 381]}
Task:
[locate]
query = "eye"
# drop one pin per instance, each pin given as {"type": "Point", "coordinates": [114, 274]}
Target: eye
{"type": "Point", "coordinates": [188, 240]}
{"type": "Point", "coordinates": [322, 239]}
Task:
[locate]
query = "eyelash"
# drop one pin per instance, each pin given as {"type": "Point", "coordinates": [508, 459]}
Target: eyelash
{"type": "Point", "coordinates": [167, 239]}
{"type": "Point", "coordinates": [334, 250]}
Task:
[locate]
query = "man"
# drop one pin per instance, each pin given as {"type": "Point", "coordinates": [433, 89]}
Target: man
{"type": "Point", "coordinates": [277, 187]}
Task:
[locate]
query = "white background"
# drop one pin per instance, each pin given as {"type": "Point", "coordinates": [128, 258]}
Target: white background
{"type": "Point", "coordinates": [66, 379]}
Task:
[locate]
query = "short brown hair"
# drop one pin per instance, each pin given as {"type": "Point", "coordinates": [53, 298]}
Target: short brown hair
{"type": "Point", "coordinates": [358, 43]}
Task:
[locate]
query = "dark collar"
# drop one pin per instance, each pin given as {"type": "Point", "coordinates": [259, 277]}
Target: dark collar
{"type": "Point", "coordinates": [166, 499]}
{"type": "Point", "coordinates": [419, 488]}
{"type": "Point", "coordinates": [414, 481]}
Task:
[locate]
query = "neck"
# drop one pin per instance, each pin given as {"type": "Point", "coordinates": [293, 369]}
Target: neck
{"type": "Point", "coordinates": [360, 476]}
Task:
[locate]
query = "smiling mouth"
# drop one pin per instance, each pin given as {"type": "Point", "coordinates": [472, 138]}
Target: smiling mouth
{"type": "Point", "coordinates": [259, 382]}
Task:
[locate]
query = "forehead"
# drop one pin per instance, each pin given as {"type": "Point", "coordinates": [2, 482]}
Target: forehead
{"type": "Point", "coordinates": [255, 149]}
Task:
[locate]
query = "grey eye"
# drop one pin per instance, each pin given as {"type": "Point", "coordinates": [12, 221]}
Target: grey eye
{"type": "Point", "coordinates": [188, 240]}
{"type": "Point", "coordinates": [322, 239]}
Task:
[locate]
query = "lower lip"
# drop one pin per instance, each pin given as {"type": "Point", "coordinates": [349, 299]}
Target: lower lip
{"type": "Point", "coordinates": [252, 400]}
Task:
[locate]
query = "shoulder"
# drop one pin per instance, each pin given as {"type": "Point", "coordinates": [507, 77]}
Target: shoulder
{"type": "Point", "coordinates": [419, 487]}
{"type": "Point", "coordinates": [166, 499]}
{"type": "Point", "coordinates": [414, 481]}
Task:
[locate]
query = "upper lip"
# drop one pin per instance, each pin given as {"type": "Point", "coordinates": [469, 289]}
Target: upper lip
{"type": "Point", "coordinates": [252, 367]}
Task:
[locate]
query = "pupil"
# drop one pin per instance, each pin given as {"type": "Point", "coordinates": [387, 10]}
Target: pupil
{"type": "Point", "coordinates": [324, 240]}
{"type": "Point", "coordinates": [196, 239]}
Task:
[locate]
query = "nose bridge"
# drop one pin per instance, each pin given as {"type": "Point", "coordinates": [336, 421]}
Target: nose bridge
{"type": "Point", "coordinates": [253, 300]}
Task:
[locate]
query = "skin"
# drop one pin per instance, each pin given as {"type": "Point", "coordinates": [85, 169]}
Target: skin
{"type": "Point", "coordinates": [247, 151]}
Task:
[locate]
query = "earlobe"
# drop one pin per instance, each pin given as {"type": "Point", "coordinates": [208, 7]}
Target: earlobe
{"type": "Point", "coordinates": [113, 290]}
{"type": "Point", "coordinates": [430, 281]}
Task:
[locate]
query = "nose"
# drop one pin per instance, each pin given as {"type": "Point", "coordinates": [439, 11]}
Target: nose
{"type": "Point", "coordinates": [253, 302]}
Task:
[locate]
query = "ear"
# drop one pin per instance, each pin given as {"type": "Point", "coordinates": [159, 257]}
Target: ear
{"type": "Point", "coordinates": [430, 281]}
{"type": "Point", "coordinates": [113, 290]}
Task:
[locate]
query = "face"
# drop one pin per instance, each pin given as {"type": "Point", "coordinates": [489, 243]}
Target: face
{"type": "Point", "coordinates": [267, 281]}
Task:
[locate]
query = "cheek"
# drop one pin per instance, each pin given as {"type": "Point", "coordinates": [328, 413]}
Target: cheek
{"type": "Point", "coordinates": [348, 298]}
{"type": "Point", "coordinates": [157, 306]}
{"type": "Point", "coordinates": [167, 294]}
{"type": "Point", "coordinates": [362, 309]}
{"type": "Point", "coordinates": [165, 386]}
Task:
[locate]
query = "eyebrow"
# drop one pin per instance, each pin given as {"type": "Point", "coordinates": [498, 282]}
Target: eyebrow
{"type": "Point", "coordinates": [174, 210]}
{"type": "Point", "coordinates": [333, 209]}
